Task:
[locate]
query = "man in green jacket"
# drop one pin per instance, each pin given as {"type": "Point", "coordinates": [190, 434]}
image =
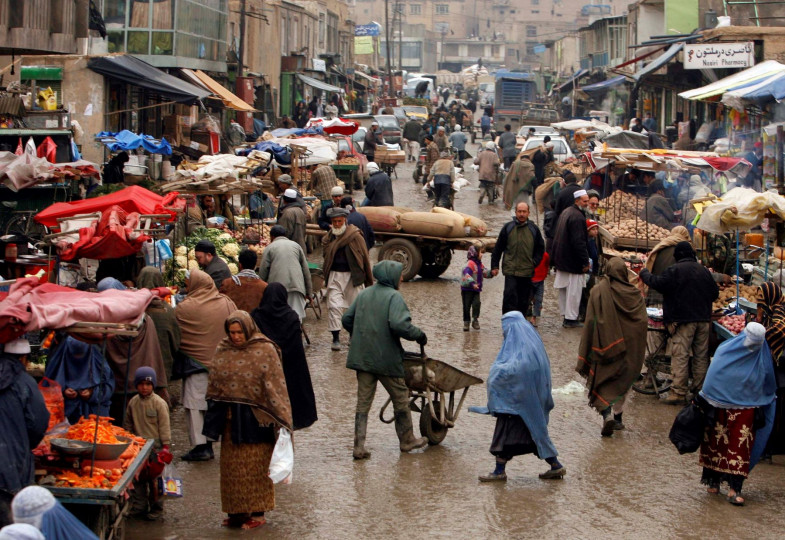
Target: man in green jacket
{"type": "Point", "coordinates": [377, 320]}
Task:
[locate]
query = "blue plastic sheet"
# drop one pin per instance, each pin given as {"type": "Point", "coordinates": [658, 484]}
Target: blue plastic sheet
{"type": "Point", "coordinates": [281, 154]}
{"type": "Point", "coordinates": [297, 132]}
{"type": "Point", "coordinates": [126, 140]}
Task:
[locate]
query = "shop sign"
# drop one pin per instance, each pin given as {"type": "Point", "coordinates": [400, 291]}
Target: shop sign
{"type": "Point", "coordinates": [319, 65]}
{"type": "Point", "coordinates": [719, 55]}
{"type": "Point", "coordinates": [363, 45]}
{"type": "Point", "coordinates": [372, 29]}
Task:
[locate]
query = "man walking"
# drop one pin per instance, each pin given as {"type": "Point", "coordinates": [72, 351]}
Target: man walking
{"type": "Point", "coordinates": [376, 321]}
{"type": "Point", "coordinates": [378, 190]}
{"type": "Point", "coordinates": [570, 256]}
{"type": "Point", "coordinates": [520, 249]}
{"type": "Point", "coordinates": [458, 141]}
{"type": "Point", "coordinates": [519, 182]}
{"type": "Point", "coordinates": [566, 196]}
{"type": "Point", "coordinates": [293, 218]}
{"type": "Point", "coordinates": [541, 158]}
{"type": "Point", "coordinates": [358, 220]}
{"type": "Point", "coordinates": [245, 288]}
{"type": "Point", "coordinates": [443, 175]}
{"type": "Point", "coordinates": [688, 290]}
{"type": "Point", "coordinates": [347, 269]}
{"type": "Point", "coordinates": [284, 262]}
{"type": "Point", "coordinates": [488, 160]}
{"type": "Point", "coordinates": [507, 142]}
{"type": "Point", "coordinates": [371, 140]}
{"type": "Point", "coordinates": [412, 131]}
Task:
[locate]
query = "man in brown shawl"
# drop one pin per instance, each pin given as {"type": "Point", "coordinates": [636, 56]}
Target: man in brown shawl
{"type": "Point", "coordinates": [518, 184]}
{"type": "Point", "coordinates": [613, 343]}
{"type": "Point", "coordinates": [201, 318]}
{"type": "Point", "coordinates": [347, 269]}
{"type": "Point", "coordinates": [245, 288]}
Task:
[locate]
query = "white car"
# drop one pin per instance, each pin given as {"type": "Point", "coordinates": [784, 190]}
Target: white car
{"type": "Point", "coordinates": [561, 150]}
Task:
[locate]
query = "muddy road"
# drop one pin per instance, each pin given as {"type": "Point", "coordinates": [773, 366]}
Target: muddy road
{"type": "Point", "coordinates": [632, 485]}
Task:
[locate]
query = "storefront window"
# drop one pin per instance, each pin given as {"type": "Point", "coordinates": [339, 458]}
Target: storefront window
{"type": "Point", "coordinates": [114, 13]}
{"type": "Point", "coordinates": [162, 43]}
{"type": "Point", "coordinates": [138, 42]}
{"type": "Point", "coordinates": [116, 42]}
{"type": "Point", "coordinates": [140, 14]}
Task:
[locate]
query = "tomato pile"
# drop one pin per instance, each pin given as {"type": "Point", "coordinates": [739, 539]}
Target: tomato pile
{"type": "Point", "coordinates": [734, 323]}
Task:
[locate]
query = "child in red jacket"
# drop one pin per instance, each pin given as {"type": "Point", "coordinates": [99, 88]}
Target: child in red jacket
{"type": "Point", "coordinates": [538, 287]}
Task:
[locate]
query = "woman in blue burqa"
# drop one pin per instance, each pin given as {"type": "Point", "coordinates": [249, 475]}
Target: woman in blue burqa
{"type": "Point", "coordinates": [741, 386]}
{"type": "Point", "coordinates": [519, 396]}
{"type": "Point", "coordinates": [84, 375]}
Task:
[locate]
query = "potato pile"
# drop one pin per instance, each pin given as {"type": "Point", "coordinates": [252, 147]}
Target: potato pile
{"type": "Point", "coordinates": [620, 206]}
{"type": "Point", "coordinates": [728, 295]}
{"type": "Point", "coordinates": [348, 161]}
{"type": "Point", "coordinates": [636, 228]}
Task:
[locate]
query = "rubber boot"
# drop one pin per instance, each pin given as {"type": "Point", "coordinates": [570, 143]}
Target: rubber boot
{"type": "Point", "coordinates": [360, 426]}
{"type": "Point", "coordinates": [403, 427]}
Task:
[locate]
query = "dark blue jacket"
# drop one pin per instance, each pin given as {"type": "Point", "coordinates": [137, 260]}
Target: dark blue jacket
{"type": "Point", "coordinates": [23, 422]}
{"type": "Point", "coordinates": [379, 190]}
{"type": "Point", "coordinates": [361, 222]}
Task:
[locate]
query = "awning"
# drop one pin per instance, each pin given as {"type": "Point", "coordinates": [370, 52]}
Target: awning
{"type": "Point", "coordinates": [229, 100]}
{"type": "Point", "coordinates": [748, 76]}
{"type": "Point", "coordinates": [310, 81]}
{"type": "Point", "coordinates": [136, 72]}
{"type": "Point", "coordinates": [604, 85]}
{"type": "Point", "coordinates": [568, 84]}
{"type": "Point", "coordinates": [769, 89]}
{"type": "Point", "coordinates": [637, 59]}
{"type": "Point", "coordinates": [658, 62]}
{"type": "Point", "coordinates": [374, 80]}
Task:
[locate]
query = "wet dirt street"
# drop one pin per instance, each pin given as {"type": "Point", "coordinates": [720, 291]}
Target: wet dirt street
{"type": "Point", "coordinates": [632, 485]}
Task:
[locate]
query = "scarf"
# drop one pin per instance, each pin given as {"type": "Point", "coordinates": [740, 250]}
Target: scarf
{"type": "Point", "coordinates": [613, 342]}
{"type": "Point", "coordinates": [150, 278]}
{"type": "Point", "coordinates": [250, 374]}
{"type": "Point", "coordinates": [201, 316]}
{"type": "Point", "coordinates": [355, 241]}
{"type": "Point", "coordinates": [677, 234]}
{"type": "Point", "coordinates": [773, 307]}
{"type": "Point", "coordinates": [250, 274]}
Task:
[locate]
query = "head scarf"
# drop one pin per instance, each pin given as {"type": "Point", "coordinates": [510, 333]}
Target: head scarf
{"type": "Point", "coordinates": [742, 376]}
{"type": "Point", "coordinates": [201, 318]}
{"type": "Point", "coordinates": [281, 324]}
{"type": "Point", "coordinates": [250, 374]}
{"type": "Point", "coordinates": [150, 278]}
{"type": "Point", "coordinates": [677, 234]}
{"type": "Point", "coordinates": [682, 251]}
{"type": "Point", "coordinates": [472, 254]}
{"type": "Point", "coordinates": [773, 307]}
{"type": "Point", "coordinates": [110, 283]}
{"type": "Point", "coordinates": [37, 506]}
{"type": "Point", "coordinates": [20, 531]}
{"type": "Point", "coordinates": [519, 382]}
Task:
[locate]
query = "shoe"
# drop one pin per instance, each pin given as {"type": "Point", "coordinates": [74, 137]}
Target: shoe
{"type": "Point", "coordinates": [493, 477]}
{"type": "Point", "coordinates": [607, 427]}
{"type": "Point", "coordinates": [569, 323]}
{"type": "Point", "coordinates": [480, 200]}
{"type": "Point", "coordinates": [360, 427]}
{"type": "Point", "coordinates": [476, 324]}
{"type": "Point", "coordinates": [466, 326]}
{"type": "Point", "coordinates": [336, 346]}
{"type": "Point", "coordinates": [403, 427]}
{"type": "Point", "coordinates": [618, 426]}
{"type": "Point", "coordinates": [554, 474]}
{"type": "Point", "coordinates": [674, 399]}
{"type": "Point", "coordinates": [200, 452]}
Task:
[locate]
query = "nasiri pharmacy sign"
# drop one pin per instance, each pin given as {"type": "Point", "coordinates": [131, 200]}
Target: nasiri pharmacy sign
{"type": "Point", "coordinates": [719, 55]}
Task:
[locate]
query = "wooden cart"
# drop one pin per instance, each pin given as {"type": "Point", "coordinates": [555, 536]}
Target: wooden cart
{"type": "Point", "coordinates": [348, 174]}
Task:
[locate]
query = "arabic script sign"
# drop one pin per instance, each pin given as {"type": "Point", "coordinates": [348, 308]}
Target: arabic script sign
{"type": "Point", "coordinates": [719, 55]}
{"type": "Point", "coordinates": [372, 29]}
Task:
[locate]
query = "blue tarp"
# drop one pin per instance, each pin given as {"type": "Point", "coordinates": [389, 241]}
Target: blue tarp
{"type": "Point", "coordinates": [658, 62]}
{"type": "Point", "coordinates": [297, 132]}
{"type": "Point", "coordinates": [281, 154]}
{"type": "Point", "coordinates": [568, 84]}
{"type": "Point", "coordinates": [125, 140]}
{"type": "Point", "coordinates": [604, 85]}
{"type": "Point", "coordinates": [770, 88]}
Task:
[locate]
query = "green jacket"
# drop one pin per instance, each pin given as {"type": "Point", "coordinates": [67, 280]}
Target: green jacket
{"type": "Point", "coordinates": [377, 320]}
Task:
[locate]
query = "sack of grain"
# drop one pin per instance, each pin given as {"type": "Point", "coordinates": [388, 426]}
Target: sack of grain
{"type": "Point", "coordinates": [477, 227]}
{"type": "Point", "coordinates": [400, 209]}
{"type": "Point", "coordinates": [432, 224]}
{"type": "Point", "coordinates": [382, 218]}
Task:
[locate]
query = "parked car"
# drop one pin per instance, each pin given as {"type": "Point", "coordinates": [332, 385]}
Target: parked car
{"type": "Point", "coordinates": [410, 111]}
{"type": "Point", "coordinates": [391, 130]}
{"type": "Point", "coordinates": [359, 138]}
{"type": "Point", "coordinates": [561, 150]}
{"type": "Point", "coordinates": [538, 130]}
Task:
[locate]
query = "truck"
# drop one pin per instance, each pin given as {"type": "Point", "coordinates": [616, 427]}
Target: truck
{"type": "Point", "coordinates": [512, 91]}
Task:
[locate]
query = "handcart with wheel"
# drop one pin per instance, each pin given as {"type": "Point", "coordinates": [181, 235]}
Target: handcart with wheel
{"type": "Point", "coordinates": [432, 383]}
{"type": "Point", "coordinates": [657, 378]}
{"type": "Point", "coordinates": [348, 174]}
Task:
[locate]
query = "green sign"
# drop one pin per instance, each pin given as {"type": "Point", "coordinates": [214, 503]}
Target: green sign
{"type": "Point", "coordinates": [363, 45]}
{"type": "Point", "coordinates": [681, 17]}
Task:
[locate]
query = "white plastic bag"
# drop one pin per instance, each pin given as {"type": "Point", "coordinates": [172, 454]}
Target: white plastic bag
{"type": "Point", "coordinates": [282, 462]}
{"type": "Point", "coordinates": [573, 388]}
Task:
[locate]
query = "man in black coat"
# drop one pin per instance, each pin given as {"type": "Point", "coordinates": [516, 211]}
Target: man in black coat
{"type": "Point", "coordinates": [23, 422]}
{"type": "Point", "coordinates": [378, 190]}
{"type": "Point", "coordinates": [566, 197]}
{"type": "Point", "coordinates": [522, 246]}
{"type": "Point", "coordinates": [570, 256]}
{"type": "Point", "coordinates": [541, 158]}
{"type": "Point", "coordinates": [688, 290]}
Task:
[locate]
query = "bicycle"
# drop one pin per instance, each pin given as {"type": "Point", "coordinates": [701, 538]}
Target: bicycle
{"type": "Point", "coordinates": [658, 378]}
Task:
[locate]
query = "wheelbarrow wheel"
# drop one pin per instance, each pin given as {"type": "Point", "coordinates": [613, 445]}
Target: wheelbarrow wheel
{"type": "Point", "coordinates": [430, 428]}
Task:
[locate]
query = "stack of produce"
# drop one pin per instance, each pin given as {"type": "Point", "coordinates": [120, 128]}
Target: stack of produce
{"type": "Point", "coordinates": [622, 205]}
{"type": "Point", "coordinates": [254, 237]}
{"type": "Point", "coordinates": [348, 160]}
{"type": "Point", "coordinates": [226, 247]}
{"type": "Point", "coordinates": [734, 323]}
{"type": "Point", "coordinates": [728, 295]}
{"type": "Point", "coordinates": [635, 228]}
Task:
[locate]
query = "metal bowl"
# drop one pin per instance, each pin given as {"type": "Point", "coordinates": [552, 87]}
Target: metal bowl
{"type": "Point", "coordinates": [71, 447]}
{"type": "Point", "coordinates": [108, 452]}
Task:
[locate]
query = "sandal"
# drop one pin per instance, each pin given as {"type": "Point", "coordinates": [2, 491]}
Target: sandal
{"type": "Point", "coordinates": [736, 499]}
{"type": "Point", "coordinates": [251, 523]}
{"type": "Point", "coordinates": [713, 490]}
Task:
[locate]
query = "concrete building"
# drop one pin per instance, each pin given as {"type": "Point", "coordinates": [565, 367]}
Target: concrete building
{"type": "Point", "coordinates": [43, 26]}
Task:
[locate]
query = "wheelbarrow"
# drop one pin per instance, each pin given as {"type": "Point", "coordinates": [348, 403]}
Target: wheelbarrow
{"type": "Point", "coordinates": [431, 383]}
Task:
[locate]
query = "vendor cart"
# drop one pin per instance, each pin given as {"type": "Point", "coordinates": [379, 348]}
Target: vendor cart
{"type": "Point", "coordinates": [104, 510]}
{"type": "Point", "coordinates": [388, 159]}
{"type": "Point", "coordinates": [348, 174]}
{"type": "Point", "coordinates": [432, 383]}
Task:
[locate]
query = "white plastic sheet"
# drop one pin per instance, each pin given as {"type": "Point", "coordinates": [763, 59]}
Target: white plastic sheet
{"type": "Point", "coordinates": [740, 208]}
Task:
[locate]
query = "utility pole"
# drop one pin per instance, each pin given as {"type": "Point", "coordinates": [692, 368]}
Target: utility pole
{"type": "Point", "coordinates": [390, 92]}
{"type": "Point", "coordinates": [399, 9]}
{"type": "Point", "coordinates": [241, 46]}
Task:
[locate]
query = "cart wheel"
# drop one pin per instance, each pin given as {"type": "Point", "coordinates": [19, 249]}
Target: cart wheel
{"type": "Point", "coordinates": [416, 174]}
{"type": "Point", "coordinates": [435, 263]}
{"type": "Point", "coordinates": [430, 428]}
{"type": "Point", "coordinates": [24, 224]}
{"type": "Point", "coordinates": [404, 252]}
{"type": "Point", "coordinates": [661, 366]}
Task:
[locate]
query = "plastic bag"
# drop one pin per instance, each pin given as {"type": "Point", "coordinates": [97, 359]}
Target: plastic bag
{"type": "Point", "coordinates": [573, 388]}
{"type": "Point", "coordinates": [55, 403]}
{"type": "Point", "coordinates": [282, 462]}
{"type": "Point", "coordinates": [169, 483]}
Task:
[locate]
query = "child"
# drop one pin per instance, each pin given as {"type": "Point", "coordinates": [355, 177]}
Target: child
{"type": "Point", "coordinates": [148, 416]}
{"type": "Point", "coordinates": [471, 287]}
{"type": "Point", "coordinates": [538, 287]}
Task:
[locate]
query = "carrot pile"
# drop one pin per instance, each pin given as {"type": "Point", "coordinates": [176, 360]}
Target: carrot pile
{"type": "Point", "coordinates": [84, 430]}
{"type": "Point", "coordinates": [101, 479]}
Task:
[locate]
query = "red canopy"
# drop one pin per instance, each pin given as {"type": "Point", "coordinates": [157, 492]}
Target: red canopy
{"type": "Point", "coordinates": [130, 199]}
{"type": "Point", "coordinates": [340, 126]}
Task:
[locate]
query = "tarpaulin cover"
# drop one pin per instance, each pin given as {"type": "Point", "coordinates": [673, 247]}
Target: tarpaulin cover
{"type": "Point", "coordinates": [626, 139]}
{"type": "Point", "coordinates": [756, 73]}
{"type": "Point", "coordinates": [130, 199]}
{"type": "Point", "coordinates": [136, 72]}
{"type": "Point", "coordinates": [740, 208]}
{"type": "Point", "coordinates": [335, 125]}
{"type": "Point", "coordinates": [770, 88]}
{"type": "Point", "coordinates": [295, 132]}
{"type": "Point", "coordinates": [31, 306]}
{"type": "Point", "coordinates": [571, 81]}
{"type": "Point", "coordinates": [22, 171]}
{"type": "Point", "coordinates": [111, 237]}
{"type": "Point", "coordinates": [127, 140]}
{"type": "Point", "coordinates": [604, 85]}
{"type": "Point", "coordinates": [658, 62]}
{"type": "Point", "coordinates": [319, 149]}
{"type": "Point", "coordinates": [281, 154]}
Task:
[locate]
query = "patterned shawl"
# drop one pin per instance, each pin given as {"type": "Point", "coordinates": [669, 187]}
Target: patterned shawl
{"type": "Point", "coordinates": [773, 308]}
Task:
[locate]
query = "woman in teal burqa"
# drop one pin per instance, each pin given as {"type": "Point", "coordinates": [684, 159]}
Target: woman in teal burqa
{"type": "Point", "coordinates": [519, 396]}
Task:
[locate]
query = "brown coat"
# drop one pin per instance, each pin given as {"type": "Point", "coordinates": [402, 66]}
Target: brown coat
{"type": "Point", "coordinates": [359, 260]}
{"type": "Point", "coordinates": [431, 157]}
{"type": "Point", "coordinates": [488, 160]}
{"type": "Point", "coordinates": [245, 296]}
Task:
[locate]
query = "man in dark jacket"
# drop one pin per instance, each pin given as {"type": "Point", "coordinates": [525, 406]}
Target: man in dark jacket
{"type": "Point", "coordinates": [336, 194]}
{"type": "Point", "coordinates": [378, 190]}
{"type": "Point", "coordinates": [293, 218]}
{"type": "Point", "coordinates": [412, 131]}
{"type": "Point", "coordinates": [570, 256]}
{"type": "Point", "coordinates": [541, 158]}
{"type": "Point", "coordinates": [211, 263]}
{"type": "Point", "coordinates": [371, 141]}
{"type": "Point", "coordinates": [566, 196]}
{"type": "Point", "coordinates": [688, 290]}
{"type": "Point", "coordinates": [377, 320]}
{"type": "Point", "coordinates": [23, 422]}
{"type": "Point", "coordinates": [507, 142]}
{"type": "Point", "coordinates": [522, 246]}
{"type": "Point", "coordinates": [358, 220]}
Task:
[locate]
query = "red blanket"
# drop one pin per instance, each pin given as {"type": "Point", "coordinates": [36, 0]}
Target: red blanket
{"type": "Point", "coordinates": [110, 238]}
{"type": "Point", "coordinates": [31, 306]}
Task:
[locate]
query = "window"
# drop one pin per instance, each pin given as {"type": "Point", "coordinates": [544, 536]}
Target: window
{"type": "Point", "coordinates": [531, 31]}
{"type": "Point", "coordinates": [322, 30]}
{"type": "Point", "coordinates": [535, 11]}
{"type": "Point", "coordinates": [535, 2]}
{"type": "Point", "coordinates": [530, 48]}
{"type": "Point", "coordinates": [442, 9]}
{"type": "Point", "coordinates": [415, 9]}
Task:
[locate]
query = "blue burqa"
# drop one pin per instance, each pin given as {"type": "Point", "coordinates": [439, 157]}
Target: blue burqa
{"type": "Point", "coordinates": [742, 376]}
{"type": "Point", "coordinates": [519, 382]}
{"type": "Point", "coordinates": [75, 364]}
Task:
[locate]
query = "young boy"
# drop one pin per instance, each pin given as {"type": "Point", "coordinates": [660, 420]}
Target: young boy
{"type": "Point", "coordinates": [471, 287]}
{"type": "Point", "coordinates": [147, 416]}
{"type": "Point", "coordinates": [538, 287]}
